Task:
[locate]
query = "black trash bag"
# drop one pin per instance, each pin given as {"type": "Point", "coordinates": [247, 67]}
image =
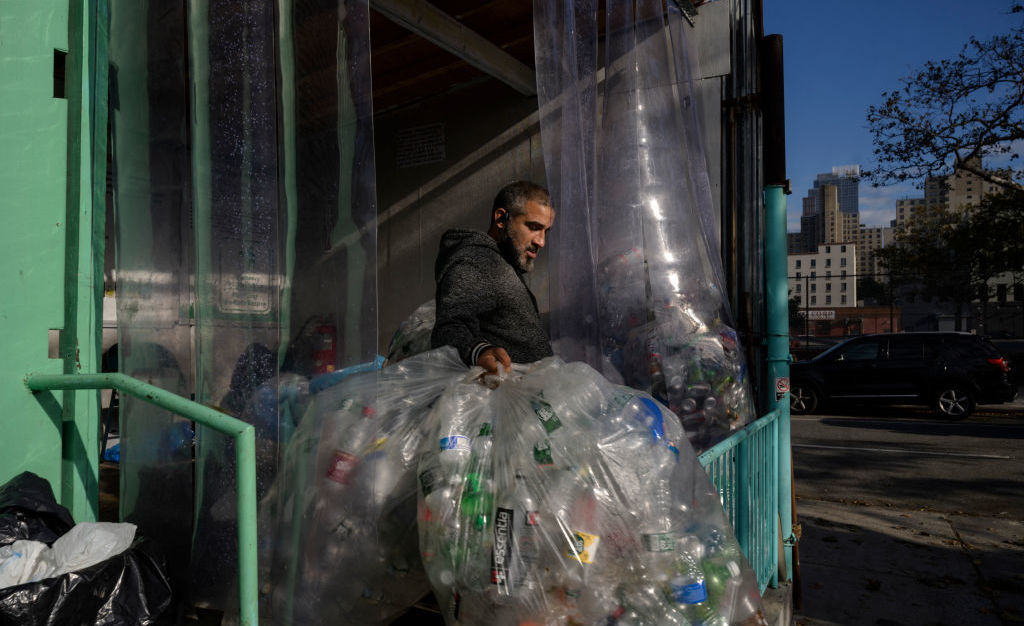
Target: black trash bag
{"type": "Point", "coordinates": [128, 589]}
{"type": "Point", "coordinates": [125, 590]}
{"type": "Point", "coordinates": [28, 510]}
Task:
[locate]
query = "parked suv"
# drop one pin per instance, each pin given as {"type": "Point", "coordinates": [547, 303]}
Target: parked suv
{"type": "Point", "coordinates": [950, 372]}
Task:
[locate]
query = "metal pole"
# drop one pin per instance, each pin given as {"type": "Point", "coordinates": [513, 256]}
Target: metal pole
{"type": "Point", "coordinates": [778, 348]}
{"type": "Point", "coordinates": [245, 460]}
{"type": "Point", "coordinates": [776, 283]}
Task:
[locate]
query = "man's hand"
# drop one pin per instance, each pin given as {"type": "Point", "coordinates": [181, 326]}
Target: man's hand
{"type": "Point", "coordinates": [491, 357]}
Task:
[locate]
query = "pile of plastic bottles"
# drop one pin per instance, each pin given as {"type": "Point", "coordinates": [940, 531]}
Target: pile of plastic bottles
{"type": "Point", "coordinates": [338, 527]}
{"type": "Point", "coordinates": [560, 498]}
{"type": "Point", "coordinates": [681, 353]}
{"type": "Point", "coordinates": [556, 498]}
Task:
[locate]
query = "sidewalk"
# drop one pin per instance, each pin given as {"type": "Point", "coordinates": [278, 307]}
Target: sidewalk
{"type": "Point", "coordinates": [1017, 406]}
{"type": "Point", "coordinates": [881, 566]}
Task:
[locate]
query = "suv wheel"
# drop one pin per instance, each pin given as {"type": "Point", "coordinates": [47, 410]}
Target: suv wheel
{"type": "Point", "coordinates": [954, 401]}
{"type": "Point", "coordinates": [802, 399]}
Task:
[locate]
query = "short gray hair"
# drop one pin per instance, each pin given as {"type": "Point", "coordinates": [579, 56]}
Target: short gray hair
{"type": "Point", "coordinates": [514, 196]}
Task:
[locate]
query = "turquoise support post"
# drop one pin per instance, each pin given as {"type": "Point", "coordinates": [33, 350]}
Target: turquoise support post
{"type": "Point", "coordinates": [245, 460]}
{"type": "Point", "coordinates": [777, 293]}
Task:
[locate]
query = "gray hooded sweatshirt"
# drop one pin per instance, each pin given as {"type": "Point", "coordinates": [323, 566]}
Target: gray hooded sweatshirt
{"type": "Point", "coordinates": [482, 301]}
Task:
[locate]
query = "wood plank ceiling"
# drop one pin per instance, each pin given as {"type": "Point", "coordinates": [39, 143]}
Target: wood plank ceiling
{"type": "Point", "coordinates": [406, 67]}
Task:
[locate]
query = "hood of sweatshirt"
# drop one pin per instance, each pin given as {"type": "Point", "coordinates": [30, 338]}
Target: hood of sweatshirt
{"type": "Point", "coordinates": [471, 243]}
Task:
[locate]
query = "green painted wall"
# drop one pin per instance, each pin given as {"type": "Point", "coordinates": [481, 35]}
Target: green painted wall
{"type": "Point", "coordinates": [47, 177]}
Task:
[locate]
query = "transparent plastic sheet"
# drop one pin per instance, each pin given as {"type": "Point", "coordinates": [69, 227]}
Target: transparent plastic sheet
{"type": "Point", "coordinates": [245, 211]}
{"type": "Point", "coordinates": [239, 252]}
{"type": "Point", "coordinates": [150, 189]}
{"type": "Point", "coordinates": [341, 517]}
{"type": "Point", "coordinates": [663, 319]}
{"type": "Point", "coordinates": [561, 498]}
{"type": "Point", "coordinates": [567, 98]}
{"type": "Point", "coordinates": [413, 334]}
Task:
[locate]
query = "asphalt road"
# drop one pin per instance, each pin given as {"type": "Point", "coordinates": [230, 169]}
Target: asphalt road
{"type": "Point", "coordinates": [908, 458]}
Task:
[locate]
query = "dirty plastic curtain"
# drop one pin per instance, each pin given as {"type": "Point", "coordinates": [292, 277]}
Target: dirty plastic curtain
{"type": "Point", "coordinates": [150, 188]}
{"type": "Point", "coordinates": [638, 274]}
{"type": "Point", "coordinates": [244, 194]}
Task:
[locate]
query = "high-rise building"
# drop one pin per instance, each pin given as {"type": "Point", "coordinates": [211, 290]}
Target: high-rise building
{"type": "Point", "coordinates": [838, 225]}
{"type": "Point", "coordinates": [908, 209]}
{"type": "Point", "coordinates": [869, 240]}
{"type": "Point", "coordinates": [936, 191]}
{"type": "Point", "coordinates": [966, 189]}
{"type": "Point", "coordinates": [831, 211]}
{"type": "Point", "coordinates": [825, 277]}
{"type": "Point", "coordinates": [846, 180]}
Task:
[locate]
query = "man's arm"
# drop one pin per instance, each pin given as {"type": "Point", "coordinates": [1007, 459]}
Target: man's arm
{"type": "Point", "coordinates": [464, 293]}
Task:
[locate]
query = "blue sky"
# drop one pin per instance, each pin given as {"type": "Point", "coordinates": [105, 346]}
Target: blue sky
{"type": "Point", "coordinates": [840, 57]}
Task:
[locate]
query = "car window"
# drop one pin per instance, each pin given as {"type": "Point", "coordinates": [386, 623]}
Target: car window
{"type": "Point", "coordinates": [910, 348]}
{"type": "Point", "coordinates": [860, 351]}
{"type": "Point", "coordinates": [990, 349]}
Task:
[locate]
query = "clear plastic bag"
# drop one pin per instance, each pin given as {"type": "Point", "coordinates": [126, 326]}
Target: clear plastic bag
{"type": "Point", "coordinates": [413, 334]}
{"type": "Point", "coordinates": [561, 498]}
{"type": "Point", "coordinates": [340, 520]}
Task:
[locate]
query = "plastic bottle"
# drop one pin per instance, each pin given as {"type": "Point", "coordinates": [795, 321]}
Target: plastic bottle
{"type": "Point", "coordinates": [476, 511]}
{"type": "Point", "coordinates": [688, 590]}
{"type": "Point", "coordinates": [516, 544]}
{"type": "Point", "coordinates": [438, 523]}
{"type": "Point", "coordinates": [657, 532]}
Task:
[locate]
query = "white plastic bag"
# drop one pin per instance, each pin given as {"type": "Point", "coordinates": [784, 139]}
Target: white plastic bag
{"type": "Point", "coordinates": [89, 543]}
{"type": "Point", "coordinates": [25, 561]}
{"type": "Point", "coordinates": [86, 544]}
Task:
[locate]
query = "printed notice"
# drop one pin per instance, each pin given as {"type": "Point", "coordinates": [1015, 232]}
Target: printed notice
{"type": "Point", "coordinates": [420, 145]}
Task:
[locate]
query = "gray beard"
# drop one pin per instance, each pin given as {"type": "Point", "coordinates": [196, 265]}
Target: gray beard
{"type": "Point", "coordinates": [519, 261]}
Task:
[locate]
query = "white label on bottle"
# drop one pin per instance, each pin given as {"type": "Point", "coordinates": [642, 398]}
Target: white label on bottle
{"type": "Point", "coordinates": [659, 542]}
{"type": "Point", "coordinates": [455, 442]}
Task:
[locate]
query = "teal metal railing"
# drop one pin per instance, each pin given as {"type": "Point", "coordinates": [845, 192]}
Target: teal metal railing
{"type": "Point", "coordinates": [245, 461]}
{"type": "Point", "coordinates": [745, 470]}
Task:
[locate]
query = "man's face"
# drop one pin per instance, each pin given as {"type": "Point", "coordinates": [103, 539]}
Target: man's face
{"type": "Point", "coordinates": [523, 235]}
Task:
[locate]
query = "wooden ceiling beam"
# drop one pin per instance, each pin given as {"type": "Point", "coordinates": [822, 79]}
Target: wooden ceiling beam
{"type": "Point", "coordinates": [441, 29]}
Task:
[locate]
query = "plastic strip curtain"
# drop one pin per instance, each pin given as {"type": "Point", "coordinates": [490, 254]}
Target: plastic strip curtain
{"type": "Point", "coordinates": [150, 188]}
{"type": "Point", "coordinates": [286, 292]}
{"type": "Point", "coordinates": [637, 275]}
{"type": "Point", "coordinates": [244, 188]}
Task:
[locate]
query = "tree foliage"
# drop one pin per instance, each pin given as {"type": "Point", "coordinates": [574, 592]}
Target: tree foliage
{"type": "Point", "coordinates": [952, 112]}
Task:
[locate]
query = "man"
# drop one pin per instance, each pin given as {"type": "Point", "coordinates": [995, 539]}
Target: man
{"type": "Point", "coordinates": [484, 309]}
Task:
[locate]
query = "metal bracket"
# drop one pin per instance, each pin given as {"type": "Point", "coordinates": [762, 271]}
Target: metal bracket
{"type": "Point", "coordinates": [687, 9]}
{"type": "Point", "coordinates": [794, 536]}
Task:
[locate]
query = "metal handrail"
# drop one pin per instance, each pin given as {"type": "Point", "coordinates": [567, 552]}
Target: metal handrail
{"type": "Point", "coordinates": [245, 460]}
{"type": "Point", "coordinates": [736, 438]}
{"type": "Point", "coordinates": [744, 469]}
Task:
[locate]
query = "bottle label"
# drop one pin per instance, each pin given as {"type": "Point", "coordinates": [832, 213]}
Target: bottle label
{"type": "Point", "coordinates": [542, 454]}
{"type": "Point", "coordinates": [341, 466]}
{"type": "Point", "coordinates": [501, 554]}
{"type": "Point", "coordinates": [620, 400]}
{"type": "Point", "coordinates": [545, 414]}
{"type": "Point", "coordinates": [689, 593]}
{"type": "Point", "coordinates": [583, 547]}
{"type": "Point", "coordinates": [455, 442]}
{"type": "Point", "coordinates": [532, 518]}
{"type": "Point", "coordinates": [428, 481]}
{"type": "Point", "coordinates": [659, 542]}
